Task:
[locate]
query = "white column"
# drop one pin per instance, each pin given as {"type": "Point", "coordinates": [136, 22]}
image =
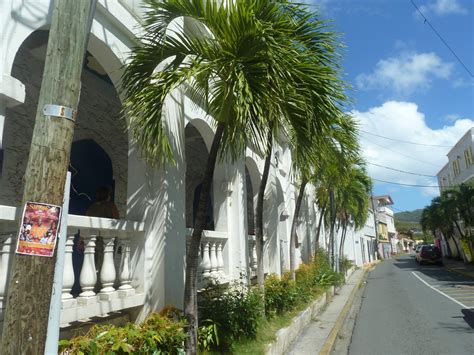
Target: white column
{"type": "Point", "coordinates": [88, 277]}
{"type": "Point", "coordinates": [206, 261]}
{"type": "Point", "coordinates": [6, 242]}
{"type": "Point", "coordinates": [125, 277]}
{"type": "Point", "coordinates": [220, 260]}
{"type": "Point", "coordinates": [67, 300]}
{"type": "Point", "coordinates": [107, 272]}
{"type": "Point", "coordinates": [254, 256]}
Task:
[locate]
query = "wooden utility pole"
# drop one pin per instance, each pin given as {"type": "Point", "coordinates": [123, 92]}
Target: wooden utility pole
{"type": "Point", "coordinates": [31, 277]}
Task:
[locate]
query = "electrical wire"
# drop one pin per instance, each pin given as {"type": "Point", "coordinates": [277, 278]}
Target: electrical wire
{"type": "Point", "coordinates": [406, 142]}
{"type": "Point", "coordinates": [400, 171]}
{"type": "Point", "coordinates": [408, 185]}
{"type": "Point", "coordinates": [442, 39]}
{"type": "Point", "coordinates": [404, 155]}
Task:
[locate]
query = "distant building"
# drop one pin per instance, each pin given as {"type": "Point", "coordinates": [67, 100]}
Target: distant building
{"type": "Point", "coordinates": [386, 231]}
{"type": "Point", "coordinates": [460, 166]}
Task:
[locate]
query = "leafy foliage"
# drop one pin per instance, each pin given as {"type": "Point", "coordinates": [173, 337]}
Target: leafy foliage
{"type": "Point", "coordinates": [236, 310]}
{"type": "Point", "coordinates": [157, 335]}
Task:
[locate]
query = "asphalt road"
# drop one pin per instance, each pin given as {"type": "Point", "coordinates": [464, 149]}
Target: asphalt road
{"type": "Point", "coordinates": [411, 309]}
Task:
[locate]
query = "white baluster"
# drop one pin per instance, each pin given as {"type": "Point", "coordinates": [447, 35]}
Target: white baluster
{"type": "Point", "coordinates": [206, 261]}
{"type": "Point", "coordinates": [88, 277]}
{"type": "Point", "coordinates": [254, 256]}
{"type": "Point", "coordinates": [125, 277]}
{"type": "Point", "coordinates": [67, 300]}
{"type": "Point", "coordinates": [220, 260]}
{"type": "Point", "coordinates": [107, 272]}
{"type": "Point", "coordinates": [5, 255]}
{"type": "Point", "coordinates": [200, 264]}
{"type": "Point", "coordinates": [213, 259]}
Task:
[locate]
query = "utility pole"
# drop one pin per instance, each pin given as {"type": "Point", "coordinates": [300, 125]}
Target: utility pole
{"type": "Point", "coordinates": [31, 277]}
{"type": "Point", "coordinates": [376, 244]}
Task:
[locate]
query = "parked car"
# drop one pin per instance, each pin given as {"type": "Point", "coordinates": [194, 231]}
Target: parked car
{"type": "Point", "coordinates": [429, 254]}
{"type": "Point", "coordinates": [417, 249]}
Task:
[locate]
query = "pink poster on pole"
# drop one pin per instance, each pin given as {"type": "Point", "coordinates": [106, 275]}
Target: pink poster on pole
{"type": "Point", "coordinates": [38, 229]}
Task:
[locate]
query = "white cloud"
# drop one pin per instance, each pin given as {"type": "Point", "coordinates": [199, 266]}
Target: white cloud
{"type": "Point", "coordinates": [402, 121]}
{"type": "Point", "coordinates": [443, 7]}
{"type": "Point", "coordinates": [406, 73]}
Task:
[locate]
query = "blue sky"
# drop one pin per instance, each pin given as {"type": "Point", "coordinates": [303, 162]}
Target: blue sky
{"type": "Point", "coordinates": [407, 85]}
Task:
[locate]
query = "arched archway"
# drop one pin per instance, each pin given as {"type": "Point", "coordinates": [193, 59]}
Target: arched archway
{"type": "Point", "coordinates": [90, 167]}
{"type": "Point", "coordinates": [99, 119]}
{"type": "Point", "coordinates": [252, 183]}
{"type": "Point", "coordinates": [196, 152]}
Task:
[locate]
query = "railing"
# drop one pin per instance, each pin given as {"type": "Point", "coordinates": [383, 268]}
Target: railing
{"type": "Point", "coordinates": [213, 266]}
{"type": "Point", "coordinates": [106, 286]}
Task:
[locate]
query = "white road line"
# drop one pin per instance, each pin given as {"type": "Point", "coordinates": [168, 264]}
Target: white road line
{"type": "Point", "coordinates": [440, 292]}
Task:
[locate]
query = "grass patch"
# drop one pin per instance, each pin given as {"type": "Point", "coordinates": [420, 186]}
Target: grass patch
{"type": "Point", "coordinates": [267, 329]}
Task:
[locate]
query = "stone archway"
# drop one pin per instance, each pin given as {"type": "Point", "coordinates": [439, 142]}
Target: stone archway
{"type": "Point", "coordinates": [99, 119]}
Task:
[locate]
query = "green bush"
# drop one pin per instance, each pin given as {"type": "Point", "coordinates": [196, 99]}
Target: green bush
{"type": "Point", "coordinates": [157, 335]}
{"type": "Point", "coordinates": [237, 311]}
{"type": "Point", "coordinates": [280, 295]}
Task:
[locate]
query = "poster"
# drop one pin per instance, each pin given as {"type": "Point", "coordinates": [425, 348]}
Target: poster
{"type": "Point", "coordinates": [38, 229]}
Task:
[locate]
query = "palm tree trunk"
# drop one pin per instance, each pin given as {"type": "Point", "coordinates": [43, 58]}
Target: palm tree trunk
{"type": "Point", "coordinates": [459, 229]}
{"type": "Point", "coordinates": [192, 254]}
{"type": "Point", "coordinates": [343, 238]}
{"type": "Point", "coordinates": [259, 209]}
{"type": "Point", "coordinates": [293, 241]}
{"type": "Point", "coordinates": [318, 232]}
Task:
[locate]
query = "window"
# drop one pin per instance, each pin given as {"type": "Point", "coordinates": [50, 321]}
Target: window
{"type": "Point", "coordinates": [468, 157]}
{"type": "Point", "coordinates": [456, 169]}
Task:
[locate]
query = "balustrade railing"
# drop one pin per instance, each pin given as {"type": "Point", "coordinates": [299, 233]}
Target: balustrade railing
{"type": "Point", "coordinates": [105, 277]}
{"type": "Point", "coordinates": [211, 258]}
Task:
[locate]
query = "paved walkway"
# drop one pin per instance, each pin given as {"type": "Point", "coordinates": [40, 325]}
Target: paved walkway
{"type": "Point", "coordinates": [460, 267]}
{"type": "Point", "coordinates": [315, 334]}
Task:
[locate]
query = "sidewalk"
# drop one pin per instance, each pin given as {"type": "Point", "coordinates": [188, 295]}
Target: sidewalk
{"type": "Point", "coordinates": [459, 267]}
{"type": "Point", "coordinates": [319, 335]}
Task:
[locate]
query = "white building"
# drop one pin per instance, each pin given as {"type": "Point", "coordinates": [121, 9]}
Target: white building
{"type": "Point", "coordinates": [156, 206]}
{"type": "Point", "coordinates": [458, 170]}
{"type": "Point", "coordinates": [460, 166]}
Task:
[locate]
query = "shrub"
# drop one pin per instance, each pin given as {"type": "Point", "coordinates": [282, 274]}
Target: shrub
{"type": "Point", "coordinates": [280, 295]}
{"type": "Point", "coordinates": [208, 337]}
{"type": "Point", "coordinates": [157, 335]}
{"type": "Point", "coordinates": [237, 311]}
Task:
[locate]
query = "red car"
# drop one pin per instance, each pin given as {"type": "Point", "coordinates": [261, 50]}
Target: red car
{"type": "Point", "coordinates": [429, 254]}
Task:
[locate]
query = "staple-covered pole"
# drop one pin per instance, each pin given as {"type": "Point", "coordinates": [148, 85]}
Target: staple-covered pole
{"type": "Point", "coordinates": [31, 277]}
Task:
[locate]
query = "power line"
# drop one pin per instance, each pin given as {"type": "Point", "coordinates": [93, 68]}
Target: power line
{"type": "Point", "coordinates": [408, 185]}
{"type": "Point", "coordinates": [401, 171]}
{"type": "Point", "coordinates": [407, 142]}
{"type": "Point", "coordinates": [441, 38]}
{"type": "Point", "coordinates": [404, 155]}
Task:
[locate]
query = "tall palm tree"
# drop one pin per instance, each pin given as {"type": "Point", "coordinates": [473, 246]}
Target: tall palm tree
{"type": "Point", "coordinates": [338, 140]}
{"type": "Point", "coordinates": [240, 61]}
{"type": "Point", "coordinates": [318, 84]}
{"type": "Point", "coordinates": [352, 201]}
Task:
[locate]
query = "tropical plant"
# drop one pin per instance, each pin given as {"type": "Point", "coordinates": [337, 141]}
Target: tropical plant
{"type": "Point", "coordinates": [238, 60]}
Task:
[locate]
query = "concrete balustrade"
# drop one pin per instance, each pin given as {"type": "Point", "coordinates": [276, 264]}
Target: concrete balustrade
{"type": "Point", "coordinates": [117, 237]}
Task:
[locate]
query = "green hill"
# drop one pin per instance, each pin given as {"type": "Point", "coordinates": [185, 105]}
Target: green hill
{"type": "Point", "coordinates": [409, 216]}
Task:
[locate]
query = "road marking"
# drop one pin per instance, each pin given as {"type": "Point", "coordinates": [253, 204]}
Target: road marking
{"type": "Point", "coordinates": [440, 292]}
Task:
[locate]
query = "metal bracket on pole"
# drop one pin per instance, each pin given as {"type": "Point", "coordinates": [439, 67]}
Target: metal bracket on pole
{"type": "Point", "coordinates": [60, 111]}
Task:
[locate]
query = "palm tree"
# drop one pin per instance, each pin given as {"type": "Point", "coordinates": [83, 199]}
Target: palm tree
{"type": "Point", "coordinates": [352, 200]}
{"type": "Point", "coordinates": [241, 62]}
{"type": "Point", "coordinates": [316, 82]}
{"type": "Point", "coordinates": [340, 140]}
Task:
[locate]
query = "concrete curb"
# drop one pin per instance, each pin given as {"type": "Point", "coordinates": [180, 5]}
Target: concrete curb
{"type": "Point", "coordinates": [331, 340]}
{"type": "Point", "coordinates": [286, 336]}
